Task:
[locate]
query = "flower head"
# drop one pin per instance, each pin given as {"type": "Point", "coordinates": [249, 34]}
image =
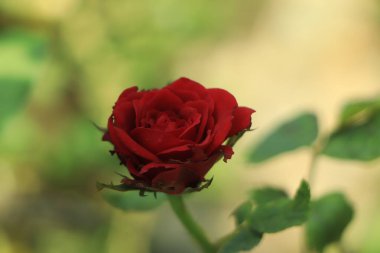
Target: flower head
{"type": "Point", "coordinates": [170, 138]}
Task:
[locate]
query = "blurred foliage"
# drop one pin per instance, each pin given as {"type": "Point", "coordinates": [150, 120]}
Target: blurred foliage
{"type": "Point", "coordinates": [264, 195]}
{"type": "Point", "coordinates": [295, 133]}
{"type": "Point", "coordinates": [329, 217]}
{"type": "Point", "coordinates": [357, 137]}
{"type": "Point", "coordinates": [269, 210]}
{"type": "Point", "coordinates": [13, 94]}
{"type": "Point", "coordinates": [280, 213]}
{"type": "Point", "coordinates": [22, 55]}
{"type": "Point", "coordinates": [242, 212]}
{"type": "Point", "coordinates": [242, 239]}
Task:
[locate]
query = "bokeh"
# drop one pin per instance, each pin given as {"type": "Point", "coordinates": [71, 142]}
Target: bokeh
{"type": "Point", "coordinates": [64, 62]}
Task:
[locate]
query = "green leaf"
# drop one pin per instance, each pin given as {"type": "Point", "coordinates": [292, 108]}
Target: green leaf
{"type": "Point", "coordinates": [241, 239]}
{"type": "Point", "coordinates": [13, 94]}
{"type": "Point", "coordinates": [357, 111]}
{"type": "Point", "coordinates": [242, 212]}
{"type": "Point", "coordinates": [132, 201]}
{"type": "Point", "coordinates": [282, 213]}
{"type": "Point", "coordinates": [302, 199]}
{"type": "Point", "coordinates": [295, 133]}
{"type": "Point", "coordinates": [329, 216]}
{"type": "Point", "coordinates": [268, 194]}
{"type": "Point", "coordinates": [358, 136]}
{"type": "Point", "coordinates": [274, 212]}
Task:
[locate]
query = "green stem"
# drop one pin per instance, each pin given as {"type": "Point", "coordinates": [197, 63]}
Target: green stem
{"type": "Point", "coordinates": [188, 222]}
{"type": "Point", "coordinates": [313, 166]}
{"type": "Point", "coordinates": [311, 179]}
{"type": "Point", "coordinates": [316, 152]}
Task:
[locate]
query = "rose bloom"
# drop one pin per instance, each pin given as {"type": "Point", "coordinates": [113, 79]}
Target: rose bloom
{"type": "Point", "coordinates": [170, 138]}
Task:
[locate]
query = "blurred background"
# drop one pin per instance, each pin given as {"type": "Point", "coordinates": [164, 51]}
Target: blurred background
{"type": "Point", "coordinates": [63, 64]}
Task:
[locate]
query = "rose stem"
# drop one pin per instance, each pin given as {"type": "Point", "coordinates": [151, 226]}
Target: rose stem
{"type": "Point", "coordinates": [179, 208]}
{"type": "Point", "coordinates": [315, 154]}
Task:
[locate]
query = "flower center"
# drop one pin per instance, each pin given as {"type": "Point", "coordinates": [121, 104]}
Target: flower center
{"type": "Point", "coordinates": [163, 120]}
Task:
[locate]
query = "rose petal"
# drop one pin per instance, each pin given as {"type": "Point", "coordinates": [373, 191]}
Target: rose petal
{"type": "Point", "coordinates": [178, 153]}
{"type": "Point", "coordinates": [185, 153]}
{"type": "Point", "coordinates": [225, 104]}
{"type": "Point", "coordinates": [201, 168]}
{"type": "Point", "coordinates": [162, 100]}
{"type": "Point", "coordinates": [156, 140]}
{"type": "Point", "coordinates": [227, 152]}
{"type": "Point", "coordinates": [161, 166]}
{"type": "Point", "coordinates": [124, 115]}
{"type": "Point", "coordinates": [241, 120]}
{"type": "Point", "coordinates": [132, 169]}
{"type": "Point", "coordinates": [175, 181]}
{"type": "Point", "coordinates": [182, 176]}
{"type": "Point", "coordinates": [128, 94]}
{"type": "Point", "coordinates": [140, 105]}
{"type": "Point", "coordinates": [186, 95]}
{"type": "Point", "coordinates": [191, 130]}
{"type": "Point", "coordinates": [204, 110]}
{"type": "Point", "coordinates": [124, 144]}
{"type": "Point", "coordinates": [187, 89]}
{"type": "Point", "coordinates": [206, 141]}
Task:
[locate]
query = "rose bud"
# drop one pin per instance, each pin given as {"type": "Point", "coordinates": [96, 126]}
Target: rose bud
{"type": "Point", "coordinates": [170, 138]}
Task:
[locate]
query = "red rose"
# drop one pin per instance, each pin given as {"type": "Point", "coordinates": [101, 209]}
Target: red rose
{"type": "Point", "coordinates": [170, 138]}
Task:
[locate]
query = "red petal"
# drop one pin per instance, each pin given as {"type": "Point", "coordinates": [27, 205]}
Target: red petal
{"type": "Point", "coordinates": [124, 144]}
{"type": "Point", "coordinates": [124, 115]}
{"type": "Point", "coordinates": [206, 141]}
{"type": "Point", "coordinates": [241, 120]}
{"type": "Point", "coordinates": [227, 152]}
{"type": "Point", "coordinates": [156, 140]}
{"type": "Point", "coordinates": [187, 89]}
{"type": "Point", "coordinates": [180, 153]}
{"type": "Point", "coordinates": [175, 181]}
{"type": "Point", "coordinates": [162, 166]}
{"type": "Point", "coordinates": [141, 104]}
{"type": "Point", "coordinates": [191, 130]}
{"type": "Point", "coordinates": [162, 100]}
{"type": "Point", "coordinates": [205, 111]}
{"type": "Point", "coordinates": [225, 104]}
{"type": "Point", "coordinates": [132, 169]}
{"type": "Point", "coordinates": [129, 94]}
{"type": "Point", "coordinates": [201, 168]}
